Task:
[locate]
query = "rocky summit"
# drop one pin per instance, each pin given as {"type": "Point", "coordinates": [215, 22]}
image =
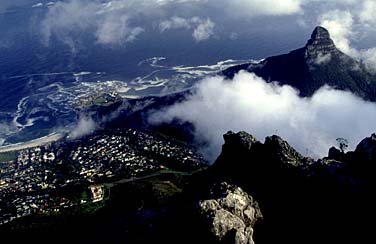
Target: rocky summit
{"type": "Point", "coordinates": [320, 43]}
{"type": "Point", "coordinates": [367, 149]}
{"type": "Point", "coordinates": [302, 200]}
{"type": "Point", "coordinates": [317, 64]}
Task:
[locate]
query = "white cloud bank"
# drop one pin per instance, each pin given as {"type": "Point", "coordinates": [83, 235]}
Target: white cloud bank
{"type": "Point", "coordinates": [248, 103]}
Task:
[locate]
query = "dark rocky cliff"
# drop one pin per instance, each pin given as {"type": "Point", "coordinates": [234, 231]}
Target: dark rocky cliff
{"type": "Point", "coordinates": [317, 64]}
{"type": "Point", "coordinates": [303, 201]}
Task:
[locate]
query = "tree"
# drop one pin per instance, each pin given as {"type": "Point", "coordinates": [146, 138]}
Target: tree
{"type": "Point", "coordinates": [343, 144]}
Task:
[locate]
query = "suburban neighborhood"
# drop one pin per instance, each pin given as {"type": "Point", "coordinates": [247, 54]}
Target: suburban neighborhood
{"type": "Point", "coordinates": [40, 179]}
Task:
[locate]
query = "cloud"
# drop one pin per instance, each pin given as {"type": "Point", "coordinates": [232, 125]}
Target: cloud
{"type": "Point", "coordinates": [253, 8]}
{"type": "Point", "coordinates": [5, 130]}
{"type": "Point", "coordinates": [110, 22]}
{"type": "Point", "coordinates": [85, 126]}
{"type": "Point", "coordinates": [248, 103]}
{"type": "Point", "coordinates": [122, 21]}
{"type": "Point", "coordinates": [37, 5]}
{"type": "Point", "coordinates": [367, 12]}
{"type": "Point", "coordinates": [175, 22]}
{"type": "Point", "coordinates": [323, 59]}
{"type": "Point", "coordinates": [114, 22]}
{"type": "Point", "coordinates": [342, 25]}
{"type": "Point", "coordinates": [203, 29]}
{"type": "Point", "coordinates": [116, 30]}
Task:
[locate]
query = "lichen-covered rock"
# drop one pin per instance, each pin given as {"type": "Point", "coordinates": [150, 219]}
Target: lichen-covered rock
{"type": "Point", "coordinates": [230, 210]}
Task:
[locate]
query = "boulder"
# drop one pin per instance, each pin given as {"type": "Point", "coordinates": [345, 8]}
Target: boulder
{"type": "Point", "coordinates": [230, 213]}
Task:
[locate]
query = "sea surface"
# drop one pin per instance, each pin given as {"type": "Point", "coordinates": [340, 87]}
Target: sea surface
{"type": "Point", "coordinates": [40, 84]}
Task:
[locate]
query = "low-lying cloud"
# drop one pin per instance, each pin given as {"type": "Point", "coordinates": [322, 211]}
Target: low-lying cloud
{"type": "Point", "coordinates": [249, 103]}
{"type": "Point", "coordinates": [85, 126]}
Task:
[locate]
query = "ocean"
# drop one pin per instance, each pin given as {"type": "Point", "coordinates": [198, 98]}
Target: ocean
{"type": "Point", "coordinates": [40, 83]}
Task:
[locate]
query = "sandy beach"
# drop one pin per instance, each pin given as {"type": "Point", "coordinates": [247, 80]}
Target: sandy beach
{"type": "Point", "coordinates": [34, 143]}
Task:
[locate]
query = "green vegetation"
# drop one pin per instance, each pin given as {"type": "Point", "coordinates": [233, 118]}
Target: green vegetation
{"type": "Point", "coordinates": [166, 187]}
{"type": "Point", "coordinates": [8, 156]}
{"type": "Point", "coordinates": [99, 101]}
{"type": "Point", "coordinates": [91, 208]}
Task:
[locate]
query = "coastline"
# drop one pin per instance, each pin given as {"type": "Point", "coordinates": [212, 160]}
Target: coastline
{"type": "Point", "coordinates": [33, 143]}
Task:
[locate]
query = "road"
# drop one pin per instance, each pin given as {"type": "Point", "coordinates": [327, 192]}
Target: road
{"type": "Point", "coordinates": [159, 173]}
{"type": "Point", "coordinates": [30, 144]}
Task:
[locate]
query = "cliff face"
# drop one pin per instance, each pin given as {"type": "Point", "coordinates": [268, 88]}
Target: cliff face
{"type": "Point", "coordinates": [317, 64]}
{"type": "Point", "coordinates": [305, 201]}
{"type": "Point", "coordinates": [320, 44]}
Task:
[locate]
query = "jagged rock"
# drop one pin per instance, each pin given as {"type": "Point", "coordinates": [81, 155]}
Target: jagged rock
{"type": "Point", "coordinates": [241, 139]}
{"type": "Point", "coordinates": [302, 199]}
{"type": "Point", "coordinates": [320, 44]}
{"type": "Point", "coordinates": [230, 211]}
{"type": "Point", "coordinates": [274, 150]}
{"type": "Point", "coordinates": [335, 153]}
{"type": "Point", "coordinates": [367, 148]}
{"type": "Point", "coordinates": [282, 151]}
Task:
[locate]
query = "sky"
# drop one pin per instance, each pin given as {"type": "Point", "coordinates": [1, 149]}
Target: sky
{"type": "Point", "coordinates": [119, 22]}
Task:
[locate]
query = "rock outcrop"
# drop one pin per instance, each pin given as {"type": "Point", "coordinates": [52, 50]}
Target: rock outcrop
{"type": "Point", "coordinates": [367, 149]}
{"type": "Point", "coordinates": [303, 200]}
{"type": "Point", "coordinates": [230, 213]}
{"type": "Point", "coordinates": [320, 46]}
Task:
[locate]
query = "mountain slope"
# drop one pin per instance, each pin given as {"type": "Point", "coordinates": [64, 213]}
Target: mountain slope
{"type": "Point", "coordinates": [301, 200]}
{"type": "Point", "coordinates": [317, 64]}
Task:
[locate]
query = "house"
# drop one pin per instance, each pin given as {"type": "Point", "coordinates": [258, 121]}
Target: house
{"type": "Point", "coordinates": [97, 192]}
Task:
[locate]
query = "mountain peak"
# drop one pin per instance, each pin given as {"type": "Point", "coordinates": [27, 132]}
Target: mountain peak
{"type": "Point", "coordinates": [320, 42]}
{"type": "Point", "coordinates": [320, 33]}
{"type": "Point", "coordinates": [316, 64]}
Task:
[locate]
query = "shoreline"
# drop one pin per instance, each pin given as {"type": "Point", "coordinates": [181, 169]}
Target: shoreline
{"type": "Point", "coordinates": [33, 143]}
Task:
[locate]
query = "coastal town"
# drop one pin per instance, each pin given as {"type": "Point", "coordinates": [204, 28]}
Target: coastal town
{"type": "Point", "coordinates": [60, 175]}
